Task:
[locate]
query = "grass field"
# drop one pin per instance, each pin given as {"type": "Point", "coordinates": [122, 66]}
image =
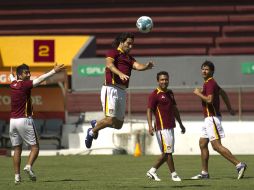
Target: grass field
{"type": "Point", "coordinates": [124, 172]}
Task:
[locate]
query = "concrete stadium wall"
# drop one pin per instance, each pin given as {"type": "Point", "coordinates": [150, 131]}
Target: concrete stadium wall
{"type": "Point", "coordinates": [238, 139]}
{"type": "Point", "coordinates": [184, 71]}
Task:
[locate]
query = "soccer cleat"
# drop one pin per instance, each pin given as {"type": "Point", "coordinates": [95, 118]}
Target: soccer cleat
{"type": "Point", "coordinates": [17, 180]}
{"type": "Point", "coordinates": [201, 176]}
{"type": "Point", "coordinates": [89, 139]}
{"type": "Point", "coordinates": [153, 175]}
{"type": "Point", "coordinates": [176, 178]}
{"type": "Point", "coordinates": [93, 123]}
{"type": "Point", "coordinates": [240, 170]}
{"type": "Point", "coordinates": [30, 173]}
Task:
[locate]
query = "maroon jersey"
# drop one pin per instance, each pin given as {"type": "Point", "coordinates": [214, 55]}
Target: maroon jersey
{"type": "Point", "coordinates": [21, 104]}
{"type": "Point", "coordinates": [123, 62]}
{"type": "Point", "coordinates": [211, 87]}
{"type": "Point", "coordinates": [161, 103]}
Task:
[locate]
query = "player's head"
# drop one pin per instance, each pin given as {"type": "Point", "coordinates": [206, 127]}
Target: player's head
{"type": "Point", "coordinates": [124, 41]}
{"type": "Point", "coordinates": [163, 79]}
{"type": "Point", "coordinates": [23, 72]}
{"type": "Point", "coordinates": [207, 69]}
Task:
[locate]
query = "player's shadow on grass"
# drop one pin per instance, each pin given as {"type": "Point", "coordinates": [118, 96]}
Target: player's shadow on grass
{"type": "Point", "coordinates": [68, 180]}
{"type": "Point", "coordinates": [184, 186]}
{"type": "Point", "coordinates": [233, 178]}
{"type": "Point", "coordinates": [176, 186]}
{"type": "Point", "coordinates": [189, 179]}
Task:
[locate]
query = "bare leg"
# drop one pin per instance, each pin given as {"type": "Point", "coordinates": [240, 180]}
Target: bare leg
{"type": "Point", "coordinates": [17, 158]}
{"type": "Point", "coordinates": [108, 122]}
{"type": "Point", "coordinates": [170, 162]}
{"type": "Point", "coordinates": [160, 161]}
{"type": "Point", "coordinates": [217, 146]}
{"type": "Point", "coordinates": [33, 154]}
{"type": "Point", "coordinates": [203, 144]}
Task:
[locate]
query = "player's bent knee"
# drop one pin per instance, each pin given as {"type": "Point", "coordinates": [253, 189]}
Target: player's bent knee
{"type": "Point", "coordinates": [117, 124]}
{"type": "Point", "coordinates": [202, 145]}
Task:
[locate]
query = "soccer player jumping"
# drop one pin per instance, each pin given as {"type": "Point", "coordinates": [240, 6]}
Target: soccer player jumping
{"type": "Point", "coordinates": [119, 64]}
{"type": "Point", "coordinates": [212, 130]}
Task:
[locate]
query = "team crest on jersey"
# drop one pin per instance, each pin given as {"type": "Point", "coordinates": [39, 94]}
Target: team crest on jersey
{"type": "Point", "coordinates": [163, 97]}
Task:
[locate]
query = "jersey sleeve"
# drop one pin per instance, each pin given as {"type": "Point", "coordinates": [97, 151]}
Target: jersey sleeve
{"type": "Point", "coordinates": [133, 60]}
{"type": "Point", "coordinates": [111, 54]}
{"type": "Point", "coordinates": [210, 87]}
{"type": "Point", "coordinates": [28, 84]}
{"type": "Point", "coordinates": [152, 102]}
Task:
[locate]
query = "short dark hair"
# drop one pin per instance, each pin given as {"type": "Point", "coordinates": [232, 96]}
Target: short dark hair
{"type": "Point", "coordinates": [122, 38]}
{"type": "Point", "coordinates": [21, 68]}
{"type": "Point", "coordinates": [208, 64]}
{"type": "Point", "coordinates": [161, 73]}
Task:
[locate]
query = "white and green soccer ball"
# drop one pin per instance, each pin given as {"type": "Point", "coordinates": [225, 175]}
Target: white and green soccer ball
{"type": "Point", "coordinates": [144, 24]}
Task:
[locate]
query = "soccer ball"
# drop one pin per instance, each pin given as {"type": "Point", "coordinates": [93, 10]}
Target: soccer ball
{"type": "Point", "coordinates": [144, 24]}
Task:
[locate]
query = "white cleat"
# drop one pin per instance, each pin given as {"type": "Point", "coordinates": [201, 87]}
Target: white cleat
{"type": "Point", "coordinates": [17, 180]}
{"type": "Point", "coordinates": [176, 178]}
{"type": "Point", "coordinates": [201, 176]}
{"type": "Point", "coordinates": [153, 175]}
{"type": "Point", "coordinates": [241, 170]}
{"type": "Point", "coordinates": [30, 173]}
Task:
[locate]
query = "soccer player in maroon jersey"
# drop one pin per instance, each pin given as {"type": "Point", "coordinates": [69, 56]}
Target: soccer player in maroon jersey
{"type": "Point", "coordinates": [119, 64]}
{"type": "Point", "coordinates": [162, 104]}
{"type": "Point", "coordinates": [22, 127]}
{"type": "Point", "coordinates": [212, 130]}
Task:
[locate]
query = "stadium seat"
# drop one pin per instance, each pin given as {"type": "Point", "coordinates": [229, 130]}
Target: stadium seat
{"type": "Point", "coordinates": [2, 125]}
{"type": "Point", "coordinates": [165, 41]}
{"type": "Point", "coordinates": [52, 129]}
{"type": "Point", "coordinates": [232, 51]}
{"type": "Point", "coordinates": [244, 8]}
{"type": "Point", "coordinates": [5, 135]}
{"type": "Point", "coordinates": [164, 51]}
{"type": "Point", "coordinates": [236, 41]}
{"type": "Point", "coordinates": [39, 126]}
{"type": "Point", "coordinates": [238, 30]}
{"type": "Point", "coordinates": [234, 19]}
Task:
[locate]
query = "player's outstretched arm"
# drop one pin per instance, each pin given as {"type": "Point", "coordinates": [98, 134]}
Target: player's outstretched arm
{"type": "Point", "coordinates": [57, 68]}
{"type": "Point", "coordinates": [142, 67]}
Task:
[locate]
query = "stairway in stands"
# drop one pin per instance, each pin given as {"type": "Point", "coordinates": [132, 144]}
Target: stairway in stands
{"type": "Point", "coordinates": [179, 28]}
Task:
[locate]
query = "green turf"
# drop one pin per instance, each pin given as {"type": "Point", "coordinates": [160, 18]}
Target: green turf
{"type": "Point", "coordinates": [124, 172]}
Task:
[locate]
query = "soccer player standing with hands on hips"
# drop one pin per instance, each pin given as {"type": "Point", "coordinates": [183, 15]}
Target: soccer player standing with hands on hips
{"type": "Point", "coordinates": [21, 123]}
{"type": "Point", "coordinates": [119, 64]}
{"type": "Point", "coordinates": [162, 104]}
{"type": "Point", "coordinates": [212, 130]}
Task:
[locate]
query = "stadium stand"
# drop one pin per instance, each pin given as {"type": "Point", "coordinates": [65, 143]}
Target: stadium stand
{"type": "Point", "coordinates": [180, 26]}
{"type": "Point", "coordinates": [39, 123]}
{"type": "Point", "coordinates": [5, 136]}
{"type": "Point", "coordinates": [52, 129]}
{"type": "Point", "coordinates": [2, 124]}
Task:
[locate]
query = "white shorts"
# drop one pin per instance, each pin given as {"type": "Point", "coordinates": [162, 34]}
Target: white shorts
{"type": "Point", "coordinates": [212, 128]}
{"type": "Point", "coordinates": [166, 140]}
{"type": "Point", "coordinates": [113, 100]}
{"type": "Point", "coordinates": [23, 129]}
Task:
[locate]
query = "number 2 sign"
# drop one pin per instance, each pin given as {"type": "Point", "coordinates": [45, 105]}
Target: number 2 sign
{"type": "Point", "coordinates": [44, 50]}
